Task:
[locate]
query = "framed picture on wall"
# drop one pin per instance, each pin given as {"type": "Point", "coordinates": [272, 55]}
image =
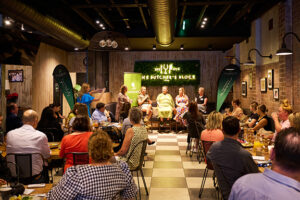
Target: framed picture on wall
{"type": "Point", "coordinates": [15, 75]}
{"type": "Point", "coordinates": [270, 78]}
{"type": "Point", "coordinates": [250, 80]}
{"type": "Point", "coordinates": [244, 88]}
{"type": "Point", "coordinates": [263, 84]}
{"type": "Point", "coordinates": [276, 93]}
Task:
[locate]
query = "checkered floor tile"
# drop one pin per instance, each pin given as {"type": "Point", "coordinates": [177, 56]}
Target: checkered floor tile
{"type": "Point", "coordinates": [170, 173]}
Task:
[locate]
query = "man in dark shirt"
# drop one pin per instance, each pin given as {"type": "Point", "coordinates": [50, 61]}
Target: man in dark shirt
{"type": "Point", "coordinates": [230, 157]}
{"type": "Point", "coordinates": [12, 119]}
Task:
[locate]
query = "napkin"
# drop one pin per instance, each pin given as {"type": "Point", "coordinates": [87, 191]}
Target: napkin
{"type": "Point", "coordinates": [36, 185]}
{"type": "Point", "coordinates": [28, 191]}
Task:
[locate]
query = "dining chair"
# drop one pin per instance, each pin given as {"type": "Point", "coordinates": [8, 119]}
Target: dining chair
{"type": "Point", "coordinates": [139, 168]}
{"type": "Point", "coordinates": [223, 183]}
{"type": "Point", "coordinates": [80, 158]}
{"type": "Point", "coordinates": [20, 166]}
{"type": "Point", "coordinates": [206, 145]}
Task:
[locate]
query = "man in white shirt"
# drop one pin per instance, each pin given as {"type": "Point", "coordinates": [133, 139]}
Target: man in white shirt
{"type": "Point", "coordinates": [27, 139]}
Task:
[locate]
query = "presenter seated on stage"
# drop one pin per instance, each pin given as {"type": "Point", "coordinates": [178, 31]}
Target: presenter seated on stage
{"type": "Point", "coordinates": [201, 100]}
{"type": "Point", "coordinates": [145, 103]}
{"type": "Point", "coordinates": [165, 104]}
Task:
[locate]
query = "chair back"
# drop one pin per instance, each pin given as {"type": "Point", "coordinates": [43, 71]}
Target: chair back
{"type": "Point", "coordinates": [22, 164]}
{"type": "Point", "coordinates": [80, 158]}
{"type": "Point", "coordinates": [206, 146]}
{"type": "Point", "coordinates": [142, 154]}
{"type": "Point", "coordinates": [222, 181]}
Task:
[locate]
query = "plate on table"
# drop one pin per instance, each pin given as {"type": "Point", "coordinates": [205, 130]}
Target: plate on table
{"type": "Point", "coordinates": [247, 145]}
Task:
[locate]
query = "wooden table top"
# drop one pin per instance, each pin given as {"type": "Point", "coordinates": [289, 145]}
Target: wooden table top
{"type": "Point", "coordinates": [43, 190]}
{"type": "Point", "coordinates": [264, 154]}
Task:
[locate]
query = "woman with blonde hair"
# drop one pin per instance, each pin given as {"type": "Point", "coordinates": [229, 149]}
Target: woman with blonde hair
{"type": "Point", "coordinates": [85, 97]}
{"type": "Point", "coordinates": [294, 119]}
{"type": "Point", "coordinates": [101, 179]}
{"type": "Point", "coordinates": [213, 131]}
{"type": "Point", "coordinates": [182, 102]}
{"type": "Point", "coordinates": [145, 103]}
{"type": "Point", "coordinates": [281, 118]}
{"type": "Point", "coordinates": [122, 100]}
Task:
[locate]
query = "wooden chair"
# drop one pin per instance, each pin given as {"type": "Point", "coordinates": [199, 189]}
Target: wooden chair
{"type": "Point", "coordinates": [80, 158]}
{"type": "Point", "coordinates": [139, 168]}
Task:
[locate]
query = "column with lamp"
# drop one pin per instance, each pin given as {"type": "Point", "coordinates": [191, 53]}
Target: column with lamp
{"type": "Point", "coordinates": [251, 62]}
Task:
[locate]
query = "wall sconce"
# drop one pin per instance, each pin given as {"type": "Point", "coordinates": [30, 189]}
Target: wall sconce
{"type": "Point", "coordinates": [181, 47]}
{"type": "Point", "coordinates": [251, 62]}
{"type": "Point", "coordinates": [154, 47]}
{"type": "Point", "coordinates": [234, 58]}
{"type": "Point", "coordinates": [283, 51]}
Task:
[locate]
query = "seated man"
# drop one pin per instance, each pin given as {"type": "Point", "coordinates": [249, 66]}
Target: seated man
{"type": "Point", "coordinates": [28, 140]}
{"type": "Point", "coordinates": [145, 103]}
{"type": "Point", "coordinates": [229, 155]}
{"type": "Point", "coordinates": [282, 182]}
{"type": "Point", "coordinates": [99, 113]}
{"type": "Point", "coordinates": [12, 119]}
{"type": "Point", "coordinates": [165, 104]}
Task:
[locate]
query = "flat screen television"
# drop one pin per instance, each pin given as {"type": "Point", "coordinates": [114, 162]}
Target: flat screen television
{"type": "Point", "coordinates": [15, 75]}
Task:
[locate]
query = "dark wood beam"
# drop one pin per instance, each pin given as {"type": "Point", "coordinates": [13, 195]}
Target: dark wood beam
{"type": "Point", "coordinates": [85, 17]}
{"type": "Point", "coordinates": [182, 14]}
{"type": "Point", "coordinates": [122, 14]}
{"type": "Point", "coordinates": [245, 10]}
{"type": "Point", "coordinates": [102, 15]}
{"type": "Point", "coordinates": [97, 5]}
{"type": "Point", "coordinates": [221, 14]}
{"type": "Point", "coordinates": [142, 14]}
{"type": "Point", "coordinates": [214, 3]}
{"type": "Point", "coordinates": [201, 16]}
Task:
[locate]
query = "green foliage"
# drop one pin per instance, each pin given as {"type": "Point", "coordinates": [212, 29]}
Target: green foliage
{"type": "Point", "coordinates": [191, 67]}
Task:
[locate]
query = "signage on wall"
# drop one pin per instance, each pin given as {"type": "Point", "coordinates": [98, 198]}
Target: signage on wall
{"type": "Point", "coordinates": [169, 72]}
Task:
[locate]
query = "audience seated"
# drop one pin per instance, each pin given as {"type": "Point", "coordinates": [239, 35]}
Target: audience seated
{"type": "Point", "coordinates": [253, 118]}
{"type": "Point", "coordinates": [57, 108]}
{"type": "Point", "coordinates": [27, 139]}
{"type": "Point", "coordinates": [132, 137]}
{"type": "Point", "coordinates": [281, 119]}
{"type": "Point", "coordinates": [101, 179]}
{"type": "Point", "coordinates": [82, 110]}
{"type": "Point", "coordinates": [229, 155]}
{"type": "Point", "coordinates": [127, 124]}
{"type": "Point", "coordinates": [165, 104]}
{"type": "Point", "coordinates": [76, 141]}
{"type": "Point", "coordinates": [71, 114]}
{"type": "Point", "coordinates": [282, 181]}
{"type": "Point", "coordinates": [263, 121]}
{"type": "Point", "coordinates": [124, 111]}
{"type": "Point", "coordinates": [48, 123]}
{"type": "Point", "coordinates": [195, 123]}
{"type": "Point", "coordinates": [99, 113]}
{"type": "Point", "coordinates": [182, 102]}
{"type": "Point", "coordinates": [12, 119]}
{"type": "Point", "coordinates": [213, 130]}
{"type": "Point", "coordinates": [294, 119]}
{"type": "Point", "coordinates": [237, 110]}
{"type": "Point", "coordinates": [145, 103]}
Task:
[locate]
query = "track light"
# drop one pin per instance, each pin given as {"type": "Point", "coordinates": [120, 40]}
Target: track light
{"type": "Point", "coordinates": [8, 21]}
{"type": "Point", "coordinates": [97, 21]}
{"type": "Point", "coordinates": [126, 48]}
{"type": "Point", "coordinates": [181, 47]}
{"type": "Point", "coordinates": [205, 19]}
{"type": "Point", "coordinates": [154, 47]}
{"type": "Point", "coordinates": [76, 49]}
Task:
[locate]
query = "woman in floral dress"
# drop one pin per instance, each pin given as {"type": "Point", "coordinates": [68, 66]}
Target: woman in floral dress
{"type": "Point", "coordinates": [182, 102]}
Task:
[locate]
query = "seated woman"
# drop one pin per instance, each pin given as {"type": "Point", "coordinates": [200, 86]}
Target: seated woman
{"type": "Point", "coordinates": [213, 131]}
{"type": "Point", "coordinates": [71, 114]}
{"type": "Point", "coordinates": [263, 121]}
{"type": "Point", "coordinates": [80, 112]}
{"type": "Point", "coordinates": [195, 123]}
{"type": "Point", "coordinates": [165, 104]}
{"type": "Point", "coordinates": [145, 103]}
{"type": "Point", "coordinates": [253, 116]}
{"type": "Point", "coordinates": [132, 137]}
{"type": "Point", "coordinates": [76, 141]}
{"type": "Point", "coordinates": [280, 118]}
{"type": "Point", "coordinates": [294, 119]}
{"type": "Point", "coordinates": [201, 100]}
{"type": "Point", "coordinates": [102, 179]}
{"type": "Point", "coordinates": [182, 102]}
{"type": "Point", "coordinates": [237, 110]}
{"type": "Point", "coordinates": [49, 125]}
{"type": "Point", "coordinates": [57, 108]}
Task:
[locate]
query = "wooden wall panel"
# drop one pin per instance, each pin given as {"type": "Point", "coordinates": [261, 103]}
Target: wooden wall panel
{"type": "Point", "coordinates": [212, 63]}
{"type": "Point", "coordinates": [48, 57]}
{"type": "Point", "coordinates": [24, 89]}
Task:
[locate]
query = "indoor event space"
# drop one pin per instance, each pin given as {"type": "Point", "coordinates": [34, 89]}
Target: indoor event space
{"type": "Point", "coordinates": [150, 99]}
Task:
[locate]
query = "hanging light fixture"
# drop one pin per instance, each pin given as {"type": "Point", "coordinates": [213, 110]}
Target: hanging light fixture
{"type": "Point", "coordinates": [283, 51]}
{"type": "Point", "coordinates": [108, 42]}
{"type": "Point", "coordinates": [114, 44]}
{"type": "Point", "coordinates": [251, 62]}
{"type": "Point", "coordinates": [181, 47]}
{"type": "Point", "coordinates": [154, 47]}
{"type": "Point", "coordinates": [102, 43]}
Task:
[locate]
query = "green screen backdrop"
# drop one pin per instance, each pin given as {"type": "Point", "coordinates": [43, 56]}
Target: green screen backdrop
{"type": "Point", "coordinates": [133, 82]}
{"type": "Point", "coordinates": [169, 72]}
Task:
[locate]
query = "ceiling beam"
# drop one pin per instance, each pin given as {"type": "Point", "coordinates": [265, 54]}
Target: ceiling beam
{"type": "Point", "coordinates": [85, 17]}
{"type": "Point", "coordinates": [142, 14]}
{"type": "Point", "coordinates": [135, 5]}
{"type": "Point", "coordinates": [182, 14]}
{"type": "Point", "coordinates": [221, 14]}
{"type": "Point", "coordinates": [201, 16]}
{"type": "Point", "coordinates": [246, 9]}
{"type": "Point", "coordinates": [122, 14]}
{"type": "Point", "coordinates": [102, 15]}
